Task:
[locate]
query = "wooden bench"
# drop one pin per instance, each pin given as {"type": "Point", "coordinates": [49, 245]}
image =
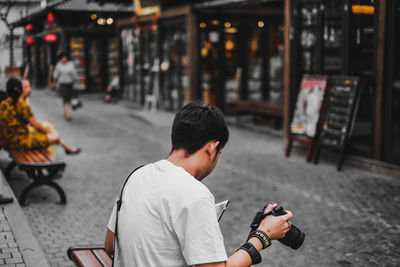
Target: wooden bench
{"type": "Point", "coordinates": [264, 107]}
{"type": "Point", "coordinates": [41, 166]}
{"type": "Point", "coordinates": [89, 256]}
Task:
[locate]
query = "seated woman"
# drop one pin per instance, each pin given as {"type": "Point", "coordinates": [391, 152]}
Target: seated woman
{"type": "Point", "coordinates": [18, 126]}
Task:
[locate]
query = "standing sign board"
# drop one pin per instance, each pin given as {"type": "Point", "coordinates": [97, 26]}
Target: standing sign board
{"type": "Point", "coordinates": [308, 105]}
{"type": "Point", "coordinates": [338, 115]}
{"type": "Point", "coordinates": [303, 127]}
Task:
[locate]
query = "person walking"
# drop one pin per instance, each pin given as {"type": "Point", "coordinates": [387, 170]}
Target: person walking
{"type": "Point", "coordinates": [64, 75]}
{"type": "Point", "coordinates": [167, 217]}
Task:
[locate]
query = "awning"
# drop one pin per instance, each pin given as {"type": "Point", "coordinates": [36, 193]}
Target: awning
{"type": "Point", "coordinates": [73, 6]}
{"type": "Point", "coordinates": [234, 3]}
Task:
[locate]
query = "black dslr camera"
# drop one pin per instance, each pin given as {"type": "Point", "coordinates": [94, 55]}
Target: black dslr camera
{"type": "Point", "coordinates": [294, 238]}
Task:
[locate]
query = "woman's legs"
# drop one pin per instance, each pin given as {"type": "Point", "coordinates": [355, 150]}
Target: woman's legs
{"type": "Point", "coordinates": [66, 110]}
{"type": "Point", "coordinates": [66, 93]}
{"type": "Point", "coordinates": [55, 139]}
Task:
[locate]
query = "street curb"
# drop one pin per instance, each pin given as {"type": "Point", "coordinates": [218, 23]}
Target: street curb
{"type": "Point", "coordinates": [30, 249]}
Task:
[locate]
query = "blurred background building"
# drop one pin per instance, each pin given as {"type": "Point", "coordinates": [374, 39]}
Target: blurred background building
{"type": "Point", "coordinates": [244, 56]}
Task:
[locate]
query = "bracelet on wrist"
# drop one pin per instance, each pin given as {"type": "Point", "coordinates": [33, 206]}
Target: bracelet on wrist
{"type": "Point", "coordinates": [262, 236]}
{"type": "Point", "coordinates": [253, 252]}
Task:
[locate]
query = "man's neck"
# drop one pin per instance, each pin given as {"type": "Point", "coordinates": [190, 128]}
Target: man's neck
{"type": "Point", "coordinates": [188, 163]}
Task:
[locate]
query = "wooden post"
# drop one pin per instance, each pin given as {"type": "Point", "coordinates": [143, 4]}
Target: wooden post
{"type": "Point", "coordinates": [286, 68]}
{"type": "Point", "coordinates": [380, 81]}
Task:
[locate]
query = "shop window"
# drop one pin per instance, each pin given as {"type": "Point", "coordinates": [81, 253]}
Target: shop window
{"type": "Point", "coordinates": [275, 79]}
{"type": "Point", "coordinates": [362, 61]}
{"type": "Point", "coordinates": [332, 37]}
{"type": "Point", "coordinates": [255, 66]}
{"type": "Point", "coordinates": [244, 57]}
{"type": "Point", "coordinates": [148, 53]}
{"type": "Point", "coordinates": [174, 76]}
{"type": "Point", "coordinates": [130, 64]}
{"type": "Point", "coordinates": [96, 65]}
{"type": "Point", "coordinates": [112, 59]}
{"type": "Point", "coordinates": [233, 66]}
{"type": "Point", "coordinates": [210, 71]}
{"type": "Point", "coordinates": [77, 55]}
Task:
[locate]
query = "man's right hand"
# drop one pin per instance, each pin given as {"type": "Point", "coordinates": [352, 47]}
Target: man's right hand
{"type": "Point", "coordinates": [276, 226]}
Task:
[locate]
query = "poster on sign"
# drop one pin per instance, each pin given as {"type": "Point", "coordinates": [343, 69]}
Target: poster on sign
{"type": "Point", "coordinates": [308, 105]}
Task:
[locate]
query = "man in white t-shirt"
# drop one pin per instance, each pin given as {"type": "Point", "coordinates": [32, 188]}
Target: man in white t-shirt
{"type": "Point", "coordinates": [167, 216]}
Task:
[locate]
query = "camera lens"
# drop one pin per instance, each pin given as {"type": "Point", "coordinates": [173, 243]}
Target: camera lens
{"type": "Point", "coordinates": [294, 238]}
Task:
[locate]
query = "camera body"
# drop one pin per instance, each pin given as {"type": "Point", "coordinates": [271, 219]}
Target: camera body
{"type": "Point", "coordinates": [294, 238]}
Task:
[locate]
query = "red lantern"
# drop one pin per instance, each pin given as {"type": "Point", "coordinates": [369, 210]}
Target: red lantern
{"type": "Point", "coordinates": [50, 38]}
{"type": "Point", "coordinates": [50, 19]}
{"type": "Point", "coordinates": [30, 40]}
{"type": "Point", "coordinates": [29, 28]}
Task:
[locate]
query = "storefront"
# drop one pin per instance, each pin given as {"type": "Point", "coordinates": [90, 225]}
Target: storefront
{"type": "Point", "coordinates": [138, 50]}
{"type": "Point", "coordinates": [355, 38]}
{"type": "Point", "coordinates": [174, 62]}
{"type": "Point", "coordinates": [89, 40]}
{"type": "Point", "coordinates": [235, 51]}
{"type": "Point", "coordinates": [243, 55]}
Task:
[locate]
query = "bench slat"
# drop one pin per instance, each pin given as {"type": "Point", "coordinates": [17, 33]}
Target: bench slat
{"type": "Point", "coordinates": [41, 155]}
{"type": "Point", "coordinates": [103, 257]}
{"type": "Point", "coordinates": [30, 156]}
{"type": "Point", "coordinates": [48, 155]}
{"type": "Point", "coordinates": [19, 156]}
{"type": "Point", "coordinates": [86, 258]}
{"type": "Point", "coordinates": [33, 156]}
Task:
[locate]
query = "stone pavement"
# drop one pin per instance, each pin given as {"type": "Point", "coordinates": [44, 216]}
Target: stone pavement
{"type": "Point", "coordinates": [18, 246]}
{"type": "Point", "coordinates": [350, 218]}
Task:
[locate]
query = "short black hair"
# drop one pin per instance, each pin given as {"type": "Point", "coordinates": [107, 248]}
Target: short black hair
{"type": "Point", "coordinates": [14, 89]}
{"type": "Point", "coordinates": [195, 125]}
{"type": "Point", "coordinates": [63, 54]}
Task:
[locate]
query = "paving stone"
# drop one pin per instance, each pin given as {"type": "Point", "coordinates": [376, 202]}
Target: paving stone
{"type": "Point", "coordinates": [5, 255]}
{"type": "Point", "coordinates": [14, 260]}
{"type": "Point", "coordinates": [12, 245]}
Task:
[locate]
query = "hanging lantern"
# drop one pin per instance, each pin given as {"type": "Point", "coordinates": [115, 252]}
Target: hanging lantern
{"type": "Point", "coordinates": [30, 40]}
{"type": "Point", "coordinates": [29, 28]}
{"type": "Point", "coordinates": [50, 19]}
{"type": "Point", "coordinates": [50, 38]}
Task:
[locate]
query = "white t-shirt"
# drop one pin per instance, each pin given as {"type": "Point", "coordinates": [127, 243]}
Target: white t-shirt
{"type": "Point", "coordinates": [65, 73]}
{"type": "Point", "coordinates": [167, 218]}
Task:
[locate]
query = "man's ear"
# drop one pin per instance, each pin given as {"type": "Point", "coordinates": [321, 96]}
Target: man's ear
{"type": "Point", "coordinates": [170, 142]}
{"type": "Point", "coordinates": [213, 147]}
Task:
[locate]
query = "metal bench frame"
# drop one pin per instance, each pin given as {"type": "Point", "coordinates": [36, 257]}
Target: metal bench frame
{"type": "Point", "coordinates": [41, 167]}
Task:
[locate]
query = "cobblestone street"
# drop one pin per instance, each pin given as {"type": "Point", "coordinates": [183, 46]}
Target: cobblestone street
{"type": "Point", "coordinates": [351, 218]}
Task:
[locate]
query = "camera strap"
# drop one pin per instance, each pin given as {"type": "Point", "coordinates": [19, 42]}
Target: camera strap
{"type": "Point", "coordinates": [259, 217]}
{"type": "Point", "coordinates": [119, 204]}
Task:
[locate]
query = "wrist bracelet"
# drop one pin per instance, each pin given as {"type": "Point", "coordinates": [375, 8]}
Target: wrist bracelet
{"type": "Point", "coordinates": [262, 236]}
{"type": "Point", "coordinates": [253, 252]}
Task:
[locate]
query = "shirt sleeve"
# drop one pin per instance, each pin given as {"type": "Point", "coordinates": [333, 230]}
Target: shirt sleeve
{"type": "Point", "coordinates": [199, 234]}
{"type": "Point", "coordinates": [111, 222]}
{"type": "Point", "coordinates": [25, 110]}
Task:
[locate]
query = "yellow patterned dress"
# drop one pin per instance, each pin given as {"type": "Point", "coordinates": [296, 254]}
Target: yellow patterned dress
{"type": "Point", "coordinates": [14, 130]}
